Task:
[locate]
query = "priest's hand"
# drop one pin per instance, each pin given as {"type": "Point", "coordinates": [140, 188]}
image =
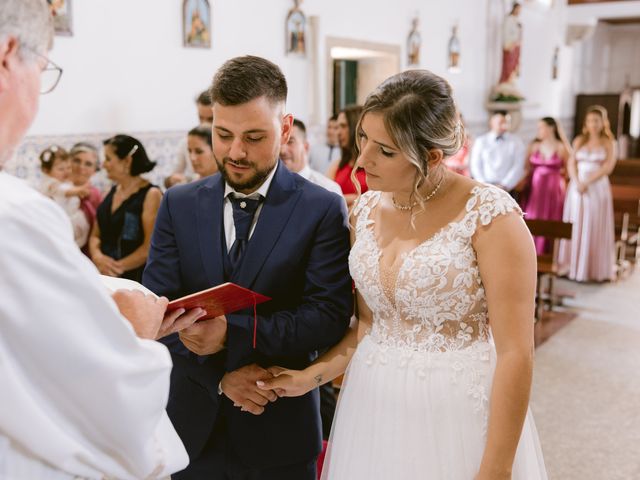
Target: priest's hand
{"type": "Point", "coordinates": [178, 320]}
{"type": "Point", "coordinates": [148, 314]}
{"type": "Point", "coordinates": [205, 337]}
{"type": "Point", "coordinates": [240, 387]}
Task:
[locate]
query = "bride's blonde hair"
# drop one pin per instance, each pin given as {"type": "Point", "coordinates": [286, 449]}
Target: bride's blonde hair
{"type": "Point", "coordinates": [420, 115]}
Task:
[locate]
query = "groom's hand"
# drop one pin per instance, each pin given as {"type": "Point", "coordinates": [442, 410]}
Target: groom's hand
{"type": "Point", "coordinates": [206, 336]}
{"type": "Point", "coordinates": [240, 387]}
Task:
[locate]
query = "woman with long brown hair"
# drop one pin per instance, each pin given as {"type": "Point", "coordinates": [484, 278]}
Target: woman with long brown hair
{"type": "Point", "coordinates": [546, 165]}
{"type": "Point", "coordinates": [590, 254]}
{"type": "Point", "coordinates": [341, 170]}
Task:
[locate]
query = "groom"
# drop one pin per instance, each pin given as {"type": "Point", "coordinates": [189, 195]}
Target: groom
{"type": "Point", "coordinates": [269, 230]}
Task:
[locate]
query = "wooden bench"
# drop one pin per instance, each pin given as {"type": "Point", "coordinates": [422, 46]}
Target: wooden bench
{"type": "Point", "coordinates": [627, 224]}
{"type": "Point", "coordinates": [547, 263]}
{"type": "Point", "coordinates": [626, 172]}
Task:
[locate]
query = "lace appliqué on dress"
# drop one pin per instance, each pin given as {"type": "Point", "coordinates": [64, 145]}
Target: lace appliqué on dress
{"type": "Point", "coordinates": [434, 301]}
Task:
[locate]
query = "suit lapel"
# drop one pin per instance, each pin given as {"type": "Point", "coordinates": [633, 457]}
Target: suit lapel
{"type": "Point", "coordinates": [210, 218]}
{"type": "Point", "coordinates": [276, 210]}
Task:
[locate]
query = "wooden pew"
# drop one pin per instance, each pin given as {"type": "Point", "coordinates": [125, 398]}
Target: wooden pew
{"type": "Point", "coordinates": [547, 265]}
{"type": "Point", "coordinates": [626, 172]}
{"type": "Point", "coordinates": [627, 223]}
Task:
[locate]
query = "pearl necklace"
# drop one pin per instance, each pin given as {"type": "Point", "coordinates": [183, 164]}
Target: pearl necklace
{"type": "Point", "coordinates": [405, 208]}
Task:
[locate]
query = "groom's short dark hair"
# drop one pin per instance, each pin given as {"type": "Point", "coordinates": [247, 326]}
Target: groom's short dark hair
{"type": "Point", "coordinates": [243, 79]}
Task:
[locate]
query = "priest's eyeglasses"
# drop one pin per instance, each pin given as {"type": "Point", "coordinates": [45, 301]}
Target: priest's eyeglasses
{"type": "Point", "coordinates": [50, 75]}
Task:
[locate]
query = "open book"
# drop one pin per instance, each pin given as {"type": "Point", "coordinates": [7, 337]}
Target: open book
{"type": "Point", "coordinates": [220, 300]}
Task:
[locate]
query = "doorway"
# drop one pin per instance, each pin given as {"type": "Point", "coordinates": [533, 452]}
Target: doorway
{"type": "Point", "coordinates": [355, 68]}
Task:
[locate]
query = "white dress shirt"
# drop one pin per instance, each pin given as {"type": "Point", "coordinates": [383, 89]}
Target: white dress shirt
{"type": "Point", "coordinates": [319, 179]}
{"type": "Point", "coordinates": [321, 155]}
{"type": "Point", "coordinates": [81, 396]}
{"type": "Point", "coordinates": [229, 225]}
{"type": "Point", "coordinates": [498, 161]}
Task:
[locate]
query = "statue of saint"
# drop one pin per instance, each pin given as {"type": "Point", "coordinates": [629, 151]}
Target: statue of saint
{"type": "Point", "coordinates": [454, 51]}
{"type": "Point", "coordinates": [511, 43]}
{"type": "Point", "coordinates": [414, 42]}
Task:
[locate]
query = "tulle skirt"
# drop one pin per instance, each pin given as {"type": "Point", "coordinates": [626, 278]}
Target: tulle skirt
{"type": "Point", "coordinates": [408, 415]}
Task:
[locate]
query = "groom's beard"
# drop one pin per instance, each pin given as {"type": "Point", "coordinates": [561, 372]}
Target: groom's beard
{"type": "Point", "coordinates": [256, 178]}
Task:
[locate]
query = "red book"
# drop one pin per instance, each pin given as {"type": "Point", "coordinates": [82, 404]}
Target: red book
{"type": "Point", "coordinates": [220, 300]}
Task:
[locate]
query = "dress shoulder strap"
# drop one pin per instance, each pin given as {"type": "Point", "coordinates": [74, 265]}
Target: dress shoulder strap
{"type": "Point", "coordinates": [486, 203]}
{"type": "Point", "coordinates": [362, 208]}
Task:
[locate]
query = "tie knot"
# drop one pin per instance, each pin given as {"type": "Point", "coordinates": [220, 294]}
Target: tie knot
{"type": "Point", "coordinates": [500, 137]}
{"type": "Point", "coordinates": [244, 204]}
{"type": "Point", "coordinates": [244, 210]}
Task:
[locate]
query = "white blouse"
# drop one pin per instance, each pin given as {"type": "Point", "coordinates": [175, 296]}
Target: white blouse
{"type": "Point", "coordinates": [81, 396]}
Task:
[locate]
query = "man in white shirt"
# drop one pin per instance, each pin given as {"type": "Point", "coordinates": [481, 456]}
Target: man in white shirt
{"type": "Point", "coordinates": [81, 395]}
{"type": "Point", "coordinates": [321, 155]}
{"type": "Point", "coordinates": [498, 157]}
{"type": "Point", "coordinates": [295, 155]}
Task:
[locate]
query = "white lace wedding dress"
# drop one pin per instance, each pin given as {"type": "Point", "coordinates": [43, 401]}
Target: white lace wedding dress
{"type": "Point", "coordinates": [415, 401]}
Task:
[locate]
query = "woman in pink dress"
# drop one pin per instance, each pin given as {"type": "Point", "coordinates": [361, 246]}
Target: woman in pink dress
{"type": "Point", "coordinates": [546, 164]}
{"type": "Point", "coordinates": [590, 254]}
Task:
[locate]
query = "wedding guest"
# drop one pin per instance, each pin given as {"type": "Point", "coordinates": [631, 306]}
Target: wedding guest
{"type": "Point", "coordinates": [182, 171]}
{"type": "Point", "coordinates": [200, 146]}
{"type": "Point", "coordinates": [83, 393]}
{"type": "Point", "coordinates": [546, 166]}
{"type": "Point", "coordinates": [344, 171]}
{"type": "Point", "coordinates": [120, 239]}
{"type": "Point", "coordinates": [84, 164]}
{"type": "Point", "coordinates": [590, 254]}
{"type": "Point", "coordinates": [294, 155]}
{"type": "Point", "coordinates": [322, 154]}
{"type": "Point", "coordinates": [459, 162]}
{"type": "Point", "coordinates": [497, 157]}
{"type": "Point", "coordinates": [55, 184]}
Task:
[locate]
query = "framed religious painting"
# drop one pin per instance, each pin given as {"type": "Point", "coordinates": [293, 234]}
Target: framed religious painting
{"type": "Point", "coordinates": [61, 13]}
{"type": "Point", "coordinates": [296, 27]}
{"type": "Point", "coordinates": [196, 23]}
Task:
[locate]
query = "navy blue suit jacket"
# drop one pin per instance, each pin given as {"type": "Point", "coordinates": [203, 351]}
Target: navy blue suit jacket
{"type": "Point", "coordinates": [298, 256]}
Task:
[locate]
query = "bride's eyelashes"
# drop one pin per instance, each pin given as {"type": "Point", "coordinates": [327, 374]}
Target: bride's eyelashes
{"type": "Point", "coordinates": [363, 139]}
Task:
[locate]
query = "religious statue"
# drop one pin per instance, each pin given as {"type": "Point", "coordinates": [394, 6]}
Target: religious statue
{"type": "Point", "coordinates": [511, 43]}
{"type": "Point", "coordinates": [554, 63]}
{"type": "Point", "coordinates": [454, 51]}
{"type": "Point", "coordinates": [413, 44]}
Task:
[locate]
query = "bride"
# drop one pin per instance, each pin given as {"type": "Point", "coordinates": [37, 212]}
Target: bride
{"type": "Point", "coordinates": [440, 360]}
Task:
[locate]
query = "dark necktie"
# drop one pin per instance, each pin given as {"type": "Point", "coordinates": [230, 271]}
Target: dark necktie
{"type": "Point", "coordinates": [500, 137]}
{"type": "Point", "coordinates": [331, 147]}
{"type": "Point", "coordinates": [244, 210]}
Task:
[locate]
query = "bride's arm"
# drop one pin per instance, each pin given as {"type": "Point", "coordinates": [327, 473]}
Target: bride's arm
{"type": "Point", "coordinates": [293, 383]}
{"type": "Point", "coordinates": [507, 263]}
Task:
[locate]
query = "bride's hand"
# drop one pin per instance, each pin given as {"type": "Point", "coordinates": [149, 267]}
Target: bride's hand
{"type": "Point", "coordinates": [288, 383]}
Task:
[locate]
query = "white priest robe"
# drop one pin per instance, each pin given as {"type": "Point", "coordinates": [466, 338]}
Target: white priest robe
{"type": "Point", "coordinates": [81, 396]}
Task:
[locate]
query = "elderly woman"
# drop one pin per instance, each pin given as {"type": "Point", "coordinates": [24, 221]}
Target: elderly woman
{"type": "Point", "coordinates": [121, 234]}
{"type": "Point", "coordinates": [84, 164]}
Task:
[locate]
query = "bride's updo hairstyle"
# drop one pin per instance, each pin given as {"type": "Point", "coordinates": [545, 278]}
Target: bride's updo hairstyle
{"type": "Point", "coordinates": [420, 116]}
